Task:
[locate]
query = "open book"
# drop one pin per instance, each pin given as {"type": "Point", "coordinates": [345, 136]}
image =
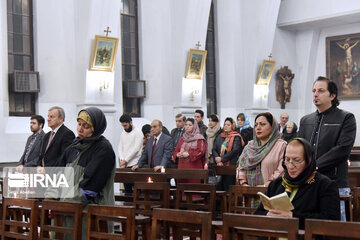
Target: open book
{"type": "Point", "coordinates": [278, 202]}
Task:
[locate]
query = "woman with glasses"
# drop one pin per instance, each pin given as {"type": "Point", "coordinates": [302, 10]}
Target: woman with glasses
{"type": "Point", "coordinates": [312, 194]}
{"type": "Point", "coordinates": [260, 162]}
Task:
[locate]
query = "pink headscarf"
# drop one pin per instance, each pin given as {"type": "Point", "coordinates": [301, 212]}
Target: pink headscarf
{"type": "Point", "coordinates": [190, 139]}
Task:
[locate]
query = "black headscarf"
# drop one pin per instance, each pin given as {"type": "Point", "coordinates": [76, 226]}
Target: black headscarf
{"type": "Point", "coordinates": [99, 123]}
{"type": "Point", "coordinates": [308, 173]}
{"type": "Point", "coordinates": [288, 136]}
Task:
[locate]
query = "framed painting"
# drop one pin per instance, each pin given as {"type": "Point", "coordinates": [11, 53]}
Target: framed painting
{"type": "Point", "coordinates": [195, 64]}
{"type": "Point", "coordinates": [265, 72]}
{"type": "Point", "coordinates": [342, 64]}
{"type": "Point", "coordinates": [103, 53]}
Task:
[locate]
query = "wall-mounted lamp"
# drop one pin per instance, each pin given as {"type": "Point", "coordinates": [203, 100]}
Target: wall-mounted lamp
{"type": "Point", "coordinates": [193, 92]}
{"type": "Point", "coordinates": [103, 84]}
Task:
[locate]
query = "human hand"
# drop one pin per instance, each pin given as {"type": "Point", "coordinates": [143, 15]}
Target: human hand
{"type": "Point", "coordinates": [40, 170]}
{"type": "Point", "coordinates": [220, 164]}
{"type": "Point", "coordinates": [185, 154]}
{"type": "Point", "coordinates": [20, 168]}
{"type": "Point", "coordinates": [134, 168]}
{"type": "Point", "coordinates": [218, 159]}
{"type": "Point", "coordinates": [157, 168]}
{"type": "Point", "coordinates": [280, 213]}
{"type": "Point", "coordinates": [123, 164]}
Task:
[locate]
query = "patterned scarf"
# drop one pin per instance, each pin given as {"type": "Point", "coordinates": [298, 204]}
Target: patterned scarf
{"type": "Point", "coordinates": [254, 153]}
{"type": "Point", "coordinates": [246, 123]}
{"type": "Point", "coordinates": [307, 175]}
{"type": "Point", "coordinates": [227, 145]}
{"type": "Point", "coordinates": [191, 139]}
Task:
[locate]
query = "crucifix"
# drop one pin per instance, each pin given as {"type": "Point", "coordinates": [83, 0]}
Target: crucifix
{"type": "Point", "coordinates": [270, 56]}
{"type": "Point", "coordinates": [198, 45]}
{"type": "Point", "coordinates": [107, 31]}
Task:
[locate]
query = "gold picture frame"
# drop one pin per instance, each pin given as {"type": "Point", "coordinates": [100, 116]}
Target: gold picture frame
{"type": "Point", "coordinates": [265, 73]}
{"type": "Point", "coordinates": [103, 53]}
{"type": "Point", "coordinates": [195, 64]}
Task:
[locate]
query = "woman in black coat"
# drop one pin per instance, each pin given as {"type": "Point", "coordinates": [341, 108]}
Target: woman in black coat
{"type": "Point", "coordinates": [227, 148]}
{"type": "Point", "coordinates": [312, 194]}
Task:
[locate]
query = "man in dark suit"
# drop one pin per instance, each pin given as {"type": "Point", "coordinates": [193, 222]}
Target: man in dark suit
{"type": "Point", "coordinates": [31, 153]}
{"type": "Point", "coordinates": [56, 141]}
{"type": "Point", "coordinates": [158, 149]}
{"type": "Point", "coordinates": [177, 133]}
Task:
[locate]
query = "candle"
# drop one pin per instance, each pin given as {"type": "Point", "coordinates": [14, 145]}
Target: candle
{"type": "Point", "coordinates": [162, 169]}
{"type": "Point", "coordinates": [206, 166]}
{"type": "Point", "coordinates": [149, 180]}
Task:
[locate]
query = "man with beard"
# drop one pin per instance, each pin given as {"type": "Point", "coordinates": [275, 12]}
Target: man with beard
{"type": "Point", "coordinates": [31, 154]}
{"type": "Point", "coordinates": [130, 146]}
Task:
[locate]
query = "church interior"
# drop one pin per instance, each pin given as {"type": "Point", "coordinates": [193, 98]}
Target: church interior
{"type": "Point", "coordinates": [154, 59]}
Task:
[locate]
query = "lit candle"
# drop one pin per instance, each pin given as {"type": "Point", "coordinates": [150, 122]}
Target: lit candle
{"type": "Point", "coordinates": [149, 180]}
{"type": "Point", "coordinates": [162, 169]}
{"type": "Point", "coordinates": [206, 166]}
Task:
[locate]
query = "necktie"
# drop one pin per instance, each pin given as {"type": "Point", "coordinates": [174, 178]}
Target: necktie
{"type": "Point", "coordinates": [47, 146]}
{"type": "Point", "coordinates": [152, 153]}
{"type": "Point", "coordinates": [50, 139]}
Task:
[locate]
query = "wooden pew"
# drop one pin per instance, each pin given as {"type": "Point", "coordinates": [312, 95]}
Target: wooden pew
{"type": "Point", "coordinates": [176, 173]}
{"type": "Point", "coordinates": [331, 228]}
{"type": "Point", "coordinates": [242, 224]}
{"type": "Point", "coordinates": [354, 176]}
{"type": "Point", "coordinates": [240, 198]}
{"type": "Point", "coordinates": [356, 203]}
{"type": "Point", "coordinates": [225, 170]}
{"type": "Point", "coordinates": [201, 220]}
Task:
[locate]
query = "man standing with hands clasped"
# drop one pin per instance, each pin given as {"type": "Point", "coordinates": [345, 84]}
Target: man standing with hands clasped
{"type": "Point", "coordinates": [331, 131]}
{"type": "Point", "coordinates": [158, 149]}
{"type": "Point", "coordinates": [130, 146]}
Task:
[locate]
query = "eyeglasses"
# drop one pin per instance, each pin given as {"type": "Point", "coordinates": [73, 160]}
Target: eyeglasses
{"type": "Point", "coordinates": [295, 163]}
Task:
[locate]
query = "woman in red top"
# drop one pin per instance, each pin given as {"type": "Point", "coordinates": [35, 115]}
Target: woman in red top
{"type": "Point", "coordinates": [191, 148]}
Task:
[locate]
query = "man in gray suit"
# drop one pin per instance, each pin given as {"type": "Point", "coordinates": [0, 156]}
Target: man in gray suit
{"type": "Point", "coordinates": [32, 148]}
{"type": "Point", "coordinates": [158, 149]}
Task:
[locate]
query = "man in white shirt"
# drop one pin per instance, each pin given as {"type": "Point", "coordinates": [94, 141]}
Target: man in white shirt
{"type": "Point", "coordinates": [130, 146]}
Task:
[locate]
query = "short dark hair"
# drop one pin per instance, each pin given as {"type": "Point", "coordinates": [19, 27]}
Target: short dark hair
{"type": "Point", "coordinates": [190, 120]}
{"type": "Point", "coordinates": [125, 118]}
{"type": "Point", "coordinates": [269, 117]}
{"type": "Point", "coordinates": [214, 118]}
{"type": "Point", "coordinates": [331, 87]}
{"type": "Point", "coordinates": [241, 116]}
{"type": "Point", "coordinates": [146, 129]}
{"type": "Point", "coordinates": [39, 119]}
{"type": "Point", "coordinates": [200, 112]}
{"type": "Point", "coordinates": [181, 115]}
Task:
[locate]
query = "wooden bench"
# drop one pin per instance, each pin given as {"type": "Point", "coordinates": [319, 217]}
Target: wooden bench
{"type": "Point", "coordinates": [199, 220]}
{"type": "Point", "coordinates": [98, 216]}
{"type": "Point", "coordinates": [240, 198]}
{"type": "Point", "coordinates": [176, 173]}
{"type": "Point", "coordinates": [20, 218]}
{"type": "Point", "coordinates": [356, 203]}
{"type": "Point", "coordinates": [57, 211]}
{"type": "Point", "coordinates": [331, 228]}
{"type": "Point", "coordinates": [259, 226]}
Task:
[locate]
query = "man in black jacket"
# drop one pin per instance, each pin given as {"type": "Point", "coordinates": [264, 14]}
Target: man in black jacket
{"type": "Point", "coordinates": [331, 131]}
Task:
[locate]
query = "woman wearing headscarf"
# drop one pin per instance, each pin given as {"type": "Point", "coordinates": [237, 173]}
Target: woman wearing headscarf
{"type": "Point", "coordinates": [190, 152]}
{"type": "Point", "coordinates": [92, 158]}
{"type": "Point", "coordinates": [312, 194]}
{"type": "Point", "coordinates": [244, 128]}
{"type": "Point", "coordinates": [260, 162]}
{"type": "Point", "coordinates": [213, 130]}
{"type": "Point", "coordinates": [290, 131]}
{"type": "Point", "coordinates": [227, 147]}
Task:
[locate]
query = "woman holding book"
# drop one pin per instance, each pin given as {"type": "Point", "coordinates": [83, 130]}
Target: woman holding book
{"type": "Point", "coordinates": [312, 194]}
{"type": "Point", "coordinates": [260, 162]}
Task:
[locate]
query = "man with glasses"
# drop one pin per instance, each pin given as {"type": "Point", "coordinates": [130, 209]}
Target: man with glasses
{"type": "Point", "coordinates": [331, 131]}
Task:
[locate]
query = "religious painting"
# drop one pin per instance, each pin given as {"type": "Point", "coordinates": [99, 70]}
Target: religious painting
{"type": "Point", "coordinates": [342, 64]}
{"type": "Point", "coordinates": [265, 72]}
{"type": "Point", "coordinates": [195, 64]}
{"type": "Point", "coordinates": [103, 53]}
